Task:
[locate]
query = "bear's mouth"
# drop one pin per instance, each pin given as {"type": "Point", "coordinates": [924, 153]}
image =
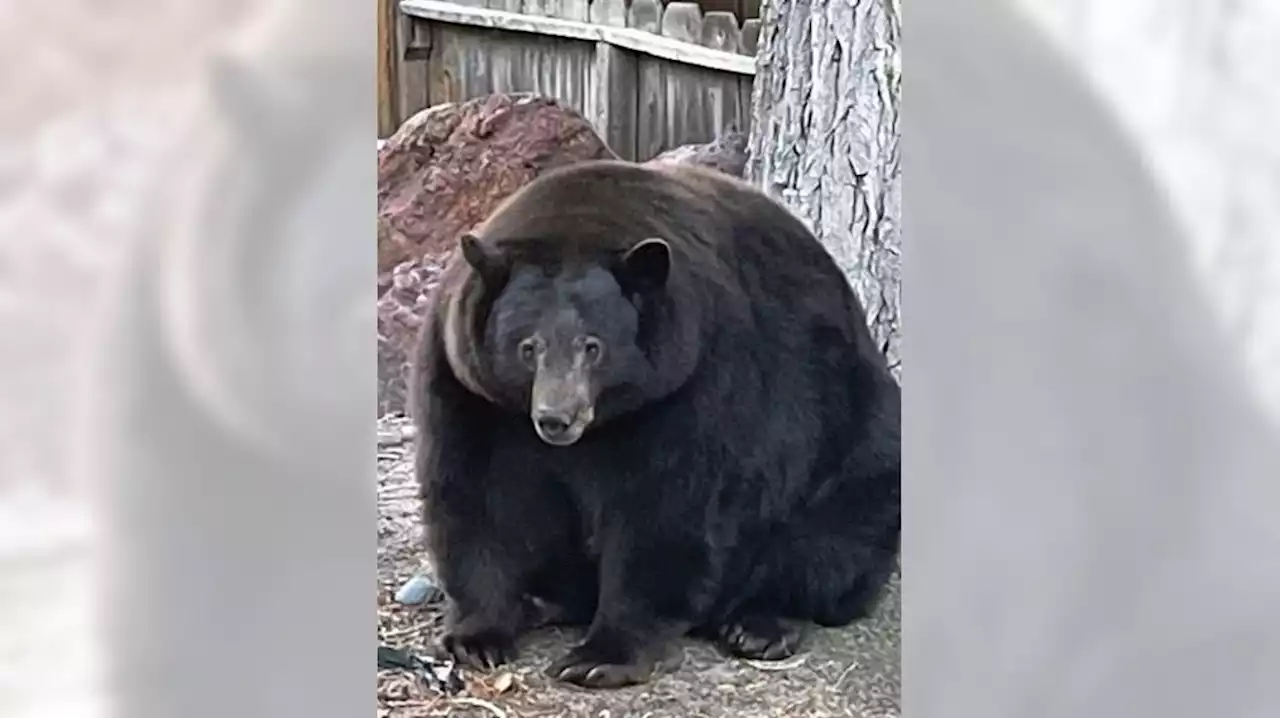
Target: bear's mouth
{"type": "Point", "coordinates": [568, 437]}
{"type": "Point", "coordinates": [561, 430]}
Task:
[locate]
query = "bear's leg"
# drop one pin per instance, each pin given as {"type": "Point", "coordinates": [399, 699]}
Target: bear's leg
{"type": "Point", "coordinates": [482, 578]}
{"type": "Point", "coordinates": [496, 591]}
{"type": "Point", "coordinates": [565, 592]}
{"type": "Point", "coordinates": [827, 566]}
{"type": "Point", "coordinates": [496, 530]}
{"type": "Point", "coordinates": [751, 618]}
{"type": "Point", "coordinates": [655, 580]}
{"type": "Point", "coordinates": [846, 555]}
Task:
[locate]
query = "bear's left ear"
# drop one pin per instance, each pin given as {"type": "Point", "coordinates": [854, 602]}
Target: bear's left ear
{"type": "Point", "coordinates": [646, 266]}
{"type": "Point", "coordinates": [487, 263]}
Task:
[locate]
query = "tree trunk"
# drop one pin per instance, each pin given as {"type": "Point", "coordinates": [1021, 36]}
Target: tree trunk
{"type": "Point", "coordinates": [824, 138]}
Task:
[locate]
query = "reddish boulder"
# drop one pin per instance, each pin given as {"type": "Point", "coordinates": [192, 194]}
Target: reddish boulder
{"type": "Point", "coordinates": [726, 153]}
{"type": "Point", "coordinates": [400, 312]}
{"type": "Point", "coordinates": [448, 166]}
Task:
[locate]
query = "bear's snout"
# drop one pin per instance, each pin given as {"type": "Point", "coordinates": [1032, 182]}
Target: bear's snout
{"type": "Point", "coordinates": [561, 427]}
{"type": "Point", "coordinates": [562, 406]}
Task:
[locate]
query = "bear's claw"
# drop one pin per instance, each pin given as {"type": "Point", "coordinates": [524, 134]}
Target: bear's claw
{"type": "Point", "coordinates": [481, 650]}
{"type": "Point", "coordinates": [591, 665]}
{"type": "Point", "coordinates": [760, 637]}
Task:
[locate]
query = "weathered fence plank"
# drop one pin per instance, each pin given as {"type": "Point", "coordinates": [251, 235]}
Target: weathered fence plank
{"type": "Point", "coordinates": [469, 62]}
{"type": "Point", "coordinates": [710, 6]}
{"type": "Point", "coordinates": [745, 89]}
{"type": "Point", "coordinates": [750, 40]}
{"type": "Point", "coordinates": [645, 15]}
{"type": "Point", "coordinates": [543, 8]}
{"type": "Point", "coordinates": [682, 21]}
{"type": "Point", "coordinates": [574, 10]}
{"type": "Point", "coordinates": [412, 65]}
{"type": "Point", "coordinates": [611, 101]}
{"type": "Point", "coordinates": [447, 68]}
{"type": "Point", "coordinates": [608, 12]}
{"type": "Point", "coordinates": [651, 108]}
{"type": "Point", "coordinates": [722, 106]}
{"type": "Point", "coordinates": [686, 115]}
{"type": "Point", "coordinates": [388, 82]}
{"type": "Point", "coordinates": [720, 31]}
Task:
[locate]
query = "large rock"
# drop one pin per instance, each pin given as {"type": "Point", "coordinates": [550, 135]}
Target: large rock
{"type": "Point", "coordinates": [726, 153]}
{"type": "Point", "coordinates": [400, 312]}
{"type": "Point", "coordinates": [448, 166]}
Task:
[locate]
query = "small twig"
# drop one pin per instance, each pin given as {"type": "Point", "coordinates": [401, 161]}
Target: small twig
{"type": "Point", "coordinates": [775, 665]}
{"type": "Point", "coordinates": [845, 674]}
{"type": "Point", "coordinates": [410, 702]}
{"type": "Point", "coordinates": [397, 492]}
{"type": "Point", "coordinates": [388, 439]}
{"type": "Point", "coordinates": [405, 631]}
{"type": "Point", "coordinates": [394, 437]}
{"type": "Point", "coordinates": [478, 703]}
{"type": "Point", "coordinates": [384, 496]}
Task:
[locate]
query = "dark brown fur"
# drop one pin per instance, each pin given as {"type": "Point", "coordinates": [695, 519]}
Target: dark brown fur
{"type": "Point", "coordinates": [743, 477]}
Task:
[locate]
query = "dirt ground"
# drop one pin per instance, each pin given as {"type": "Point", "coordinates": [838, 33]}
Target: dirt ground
{"type": "Point", "coordinates": [852, 671]}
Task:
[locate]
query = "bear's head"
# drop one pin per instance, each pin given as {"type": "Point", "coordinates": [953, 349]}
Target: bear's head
{"type": "Point", "coordinates": [568, 337]}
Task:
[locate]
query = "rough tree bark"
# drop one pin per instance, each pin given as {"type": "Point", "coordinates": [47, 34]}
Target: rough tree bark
{"type": "Point", "coordinates": [824, 138]}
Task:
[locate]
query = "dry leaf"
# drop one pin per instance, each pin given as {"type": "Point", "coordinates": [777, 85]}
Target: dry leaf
{"type": "Point", "coordinates": [503, 683]}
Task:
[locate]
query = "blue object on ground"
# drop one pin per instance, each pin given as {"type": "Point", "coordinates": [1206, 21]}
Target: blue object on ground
{"type": "Point", "coordinates": [417, 590]}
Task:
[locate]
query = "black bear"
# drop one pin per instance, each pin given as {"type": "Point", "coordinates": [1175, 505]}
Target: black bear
{"type": "Point", "coordinates": [648, 401]}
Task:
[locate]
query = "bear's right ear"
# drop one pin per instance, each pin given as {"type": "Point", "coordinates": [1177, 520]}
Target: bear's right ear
{"type": "Point", "coordinates": [487, 263]}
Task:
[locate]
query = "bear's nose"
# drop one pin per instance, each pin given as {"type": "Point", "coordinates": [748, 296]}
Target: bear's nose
{"type": "Point", "coordinates": [553, 424]}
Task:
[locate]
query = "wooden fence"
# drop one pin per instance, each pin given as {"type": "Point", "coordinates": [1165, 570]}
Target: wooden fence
{"type": "Point", "coordinates": [648, 76]}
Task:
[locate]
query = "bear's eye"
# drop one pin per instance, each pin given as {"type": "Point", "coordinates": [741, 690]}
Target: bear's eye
{"type": "Point", "coordinates": [528, 351]}
{"type": "Point", "coordinates": [592, 348]}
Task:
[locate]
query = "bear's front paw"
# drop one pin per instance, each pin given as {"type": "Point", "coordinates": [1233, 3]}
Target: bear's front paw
{"type": "Point", "coordinates": [603, 664]}
{"type": "Point", "coordinates": [483, 649]}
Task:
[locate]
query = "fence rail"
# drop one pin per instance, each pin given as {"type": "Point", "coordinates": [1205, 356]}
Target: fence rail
{"type": "Point", "coordinates": [683, 21]}
{"type": "Point", "coordinates": [648, 76]}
